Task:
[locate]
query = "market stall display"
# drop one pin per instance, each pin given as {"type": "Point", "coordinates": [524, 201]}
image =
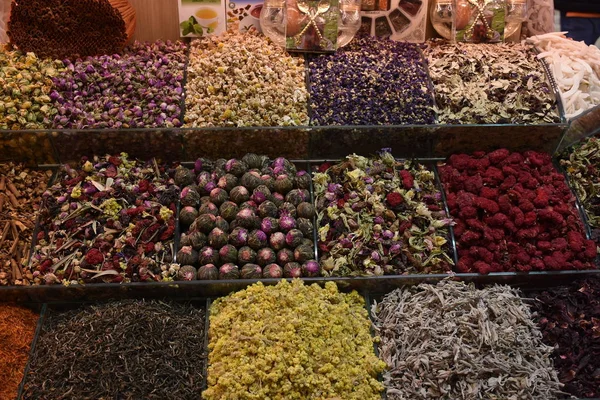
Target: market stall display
{"type": "Point", "coordinates": [453, 341]}
{"type": "Point", "coordinates": [111, 219]}
{"type": "Point", "coordinates": [21, 192]}
{"type": "Point", "coordinates": [291, 340]}
{"type": "Point", "coordinates": [514, 212]}
{"type": "Point", "coordinates": [380, 216]}
{"type": "Point", "coordinates": [128, 349]}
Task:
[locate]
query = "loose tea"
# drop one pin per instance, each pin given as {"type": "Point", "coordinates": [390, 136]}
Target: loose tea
{"type": "Point", "coordinates": [21, 192]}
{"type": "Point", "coordinates": [514, 212]}
{"type": "Point", "coordinates": [129, 349]}
{"type": "Point", "coordinates": [490, 84]}
{"type": "Point", "coordinates": [380, 216]}
{"type": "Point", "coordinates": [111, 219]}
{"type": "Point", "coordinates": [17, 328]}
{"type": "Point", "coordinates": [291, 341]}
{"type": "Point", "coordinates": [453, 341]}
{"type": "Point", "coordinates": [569, 318]}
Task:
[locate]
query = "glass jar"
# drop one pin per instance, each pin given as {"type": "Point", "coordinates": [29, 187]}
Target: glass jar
{"type": "Point", "coordinates": [516, 14]}
{"type": "Point", "coordinates": [348, 21]}
{"type": "Point", "coordinates": [273, 20]}
{"type": "Point", "coordinates": [441, 18]}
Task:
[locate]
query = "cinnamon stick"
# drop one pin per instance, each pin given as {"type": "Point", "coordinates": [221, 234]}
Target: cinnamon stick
{"type": "Point", "coordinates": [2, 184]}
{"type": "Point", "coordinates": [13, 199]}
{"type": "Point", "coordinates": [17, 273]}
{"type": "Point", "coordinates": [13, 189]}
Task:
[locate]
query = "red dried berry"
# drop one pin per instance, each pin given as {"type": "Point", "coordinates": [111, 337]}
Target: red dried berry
{"type": "Point", "coordinates": [394, 199]}
{"type": "Point", "coordinates": [93, 257]}
{"type": "Point", "coordinates": [407, 179]}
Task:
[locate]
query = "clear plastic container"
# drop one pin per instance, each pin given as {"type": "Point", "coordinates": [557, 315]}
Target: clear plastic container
{"type": "Point", "coordinates": [441, 18]}
{"type": "Point", "coordinates": [516, 13]}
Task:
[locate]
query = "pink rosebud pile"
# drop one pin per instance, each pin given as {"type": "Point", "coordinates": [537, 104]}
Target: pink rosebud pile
{"type": "Point", "coordinates": [514, 212]}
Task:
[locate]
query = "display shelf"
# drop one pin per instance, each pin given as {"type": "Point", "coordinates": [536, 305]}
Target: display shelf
{"type": "Point", "coordinates": [584, 125]}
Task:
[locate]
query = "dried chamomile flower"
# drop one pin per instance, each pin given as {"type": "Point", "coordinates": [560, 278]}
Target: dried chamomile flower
{"type": "Point", "coordinates": [291, 341]}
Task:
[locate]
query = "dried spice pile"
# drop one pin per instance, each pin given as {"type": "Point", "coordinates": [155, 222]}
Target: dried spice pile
{"type": "Point", "coordinates": [380, 216]}
{"type": "Point", "coordinates": [453, 341]}
{"type": "Point", "coordinates": [111, 219]}
{"type": "Point", "coordinates": [17, 328]}
{"type": "Point", "coordinates": [514, 212]}
{"type": "Point", "coordinates": [21, 192]}
{"type": "Point", "coordinates": [243, 79]}
{"type": "Point", "coordinates": [576, 69]}
{"type": "Point", "coordinates": [25, 85]}
{"type": "Point", "coordinates": [581, 166]}
{"type": "Point", "coordinates": [247, 218]}
{"type": "Point", "coordinates": [291, 341]}
{"type": "Point", "coordinates": [490, 84]}
{"type": "Point", "coordinates": [66, 28]}
{"type": "Point", "coordinates": [569, 318]}
{"type": "Point", "coordinates": [129, 349]}
{"type": "Point", "coordinates": [372, 81]}
{"type": "Point", "coordinates": [141, 88]}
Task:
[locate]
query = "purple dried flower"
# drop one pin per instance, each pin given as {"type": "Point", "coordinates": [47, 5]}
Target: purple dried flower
{"type": "Point", "coordinates": [269, 225]}
{"type": "Point", "coordinates": [294, 238]}
{"type": "Point", "coordinates": [311, 268]}
{"type": "Point", "coordinates": [272, 271]}
{"type": "Point", "coordinates": [292, 270]}
{"type": "Point", "coordinates": [257, 239]}
{"type": "Point", "coordinates": [238, 237]}
{"type": "Point", "coordinates": [277, 240]}
{"type": "Point", "coordinates": [208, 255]}
{"type": "Point", "coordinates": [286, 222]}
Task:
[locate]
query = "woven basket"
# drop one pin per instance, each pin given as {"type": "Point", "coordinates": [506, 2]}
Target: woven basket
{"type": "Point", "coordinates": [128, 13]}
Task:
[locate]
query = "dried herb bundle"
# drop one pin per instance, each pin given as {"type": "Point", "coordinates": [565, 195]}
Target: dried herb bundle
{"type": "Point", "coordinates": [109, 220]}
{"type": "Point", "coordinates": [452, 341]}
{"type": "Point", "coordinates": [372, 81]}
{"type": "Point", "coordinates": [20, 198]}
{"type": "Point", "coordinates": [569, 318]}
{"type": "Point", "coordinates": [129, 349]}
{"type": "Point", "coordinates": [490, 84]}
{"type": "Point", "coordinates": [582, 168]}
{"type": "Point", "coordinates": [380, 216]}
{"type": "Point", "coordinates": [17, 328]}
{"type": "Point", "coordinates": [291, 341]}
{"type": "Point", "coordinates": [66, 28]}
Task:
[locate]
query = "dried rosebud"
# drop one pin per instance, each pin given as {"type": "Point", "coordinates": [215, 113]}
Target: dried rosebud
{"type": "Point", "coordinates": [251, 271]}
{"type": "Point", "coordinates": [229, 271]}
{"type": "Point", "coordinates": [285, 256]}
{"type": "Point", "coordinates": [292, 270]}
{"type": "Point", "coordinates": [272, 271]}
{"type": "Point", "coordinates": [297, 196]}
{"type": "Point", "coordinates": [294, 238]}
{"type": "Point", "coordinates": [208, 272]}
{"type": "Point", "coordinates": [217, 238]}
{"type": "Point", "coordinates": [190, 196]}
{"type": "Point", "coordinates": [208, 255]}
{"type": "Point", "coordinates": [204, 181]}
{"type": "Point", "coordinates": [286, 222]}
{"type": "Point", "coordinates": [187, 256]}
{"type": "Point", "coordinates": [227, 182]}
{"type": "Point", "coordinates": [239, 194]}
{"type": "Point", "coordinates": [268, 209]}
{"type": "Point", "coordinates": [311, 268]}
{"type": "Point", "coordinates": [186, 273]}
{"type": "Point", "coordinates": [183, 176]}
{"type": "Point", "coordinates": [283, 184]}
{"type": "Point", "coordinates": [306, 210]}
{"type": "Point", "coordinates": [228, 210]}
{"type": "Point", "coordinates": [278, 199]}
{"type": "Point", "coordinates": [228, 254]}
{"type": "Point", "coordinates": [269, 225]}
{"type": "Point", "coordinates": [222, 224]}
{"type": "Point", "coordinates": [198, 164]}
{"type": "Point", "coordinates": [303, 180]}
{"type": "Point", "coordinates": [260, 194]}
{"type": "Point", "coordinates": [268, 181]}
{"type": "Point", "coordinates": [247, 218]}
{"type": "Point", "coordinates": [265, 256]}
{"type": "Point", "coordinates": [218, 196]}
{"type": "Point", "coordinates": [277, 240]}
{"type": "Point", "coordinates": [251, 180]}
{"type": "Point", "coordinates": [208, 208]}
{"type": "Point", "coordinates": [253, 161]}
{"type": "Point", "coordinates": [249, 205]}
{"type": "Point", "coordinates": [236, 167]}
{"type": "Point", "coordinates": [257, 239]}
{"type": "Point", "coordinates": [287, 209]}
{"type": "Point", "coordinates": [305, 226]}
{"type": "Point", "coordinates": [204, 223]}
{"type": "Point", "coordinates": [197, 239]}
{"type": "Point", "coordinates": [187, 215]}
{"type": "Point", "coordinates": [304, 253]}
{"type": "Point", "coordinates": [246, 255]}
{"type": "Point", "coordinates": [238, 237]}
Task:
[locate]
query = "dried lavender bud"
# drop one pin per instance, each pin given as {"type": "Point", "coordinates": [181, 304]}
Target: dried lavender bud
{"type": "Point", "coordinates": [227, 182]}
{"type": "Point", "coordinates": [204, 179]}
{"type": "Point", "coordinates": [238, 237]}
{"type": "Point", "coordinates": [187, 215]}
{"type": "Point", "coordinates": [268, 209]}
{"type": "Point", "coordinates": [217, 238]}
{"type": "Point", "coordinates": [294, 238]}
{"type": "Point", "coordinates": [285, 256]}
{"type": "Point", "coordinates": [239, 194]}
{"type": "Point", "coordinates": [247, 218]}
{"type": "Point", "coordinates": [236, 167]}
{"type": "Point", "coordinates": [246, 255]}
{"type": "Point", "coordinates": [229, 271]}
{"type": "Point", "coordinates": [187, 256]}
{"type": "Point", "coordinates": [197, 239]}
{"type": "Point", "coordinates": [306, 210]}
{"type": "Point", "coordinates": [251, 180]}
{"type": "Point", "coordinates": [303, 180]}
{"type": "Point", "coordinates": [208, 272]}
{"type": "Point", "coordinates": [265, 256]}
{"type": "Point", "coordinates": [311, 268]}
{"type": "Point", "coordinates": [218, 196]}
{"type": "Point", "coordinates": [228, 210]}
{"type": "Point", "coordinates": [183, 176]}
{"type": "Point", "coordinates": [204, 223]}
{"type": "Point", "coordinates": [292, 270]}
{"type": "Point", "coordinates": [251, 271]}
{"type": "Point", "coordinates": [208, 255]}
{"type": "Point", "coordinates": [304, 253]}
{"type": "Point", "coordinates": [260, 194]}
{"type": "Point", "coordinates": [269, 225]}
{"type": "Point", "coordinates": [305, 226]}
{"type": "Point", "coordinates": [253, 160]}
{"type": "Point", "coordinates": [297, 196]}
{"type": "Point", "coordinates": [186, 273]}
{"type": "Point", "coordinates": [286, 222]}
{"type": "Point", "coordinates": [228, 254]}
{"type": "Point", "coordinates": [272, 271]}
{"type": "Point", "coordinates": [283, 184]}
{"type": "Point", "coordinates": [287, 209]}
{"type": "Point", "coordinates": [208, 208]}
{"type": "Point", "coordinates": [257, 239]}
{"type": "Point", "coordinates": [277, 240]}
{"type": "Point", "coordinates": [190, 196]}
